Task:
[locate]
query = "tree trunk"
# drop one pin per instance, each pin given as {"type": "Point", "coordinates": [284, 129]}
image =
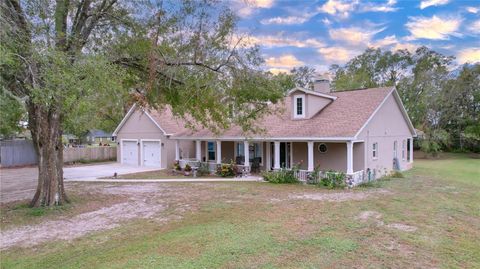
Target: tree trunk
{"type": "Point", "coordinates": [45, 126]}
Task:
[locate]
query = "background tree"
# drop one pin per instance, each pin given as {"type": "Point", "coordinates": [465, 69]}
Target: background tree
{"type": "Point", "coordinates": [303, 76]}
{"type": "Point", "coordinates": [70, 55]}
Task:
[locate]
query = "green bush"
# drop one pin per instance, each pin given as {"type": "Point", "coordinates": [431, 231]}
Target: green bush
{"type": "Point", "coordinates": [226, 170]}
{"type": "Point", "coordinates": [333, 180]}
{"type": "Point", "coordinates": [203, 170]}
{"type": "Point", "coordinates": [396, 174]}
{"type": "Point", "coordinates": [282, 176]}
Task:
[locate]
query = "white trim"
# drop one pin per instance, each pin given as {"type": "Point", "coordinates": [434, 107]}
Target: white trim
{"type": "Point", "coordinates": [142, 158]}
{"type": "Point", "coordinates": [312, 93]}
{"type": "Point", "coordinates": [282, 139]}
{"type": "Point", "coordinates": [402, 109]}
{"type": "Point", "coordinates": [177, 150]}
{"type": "Point", "coordinates": [295, 106]}
{"type": "Point", "coordinates": [219, 151]}
{"type": "Point", "coordinates": [198, 150]}
{"type": "Point", "coordinates": [276, 151]}
{"type": "Point", "coordinates": [310, 156]}
{"type": "Point", "coordinates": [246, 153]}
{"type": "Point", "coordinates": [130, 111]}
{"type": "Point", "coordinates": [349, 157]}
{"type": "Point", "coordinates": [121, 148]}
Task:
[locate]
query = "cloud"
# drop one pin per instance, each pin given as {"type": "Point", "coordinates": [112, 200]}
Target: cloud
{"type": "Point", "coordinates": [469, 55]}
{"type": "Point", "coordinates": [473, 10]}
{"type": "Point", "coordinates": [338, 7]}
{"type": "Point", "coordinates": [384, 42]}
{"type": "Point", "coordinates": [354, 35]}
{"type": "Point", "coordinates": [286, 20]}
{"type": "Point", "coordinates": [326, 21]}
{"type": "Point", "coordinates": [389, 6]}
{"type": "Point", "coordinates": [336, 54]}
{"type": "Point", "coordinates": [433, 28]}
{"type": "Point", "coordinates": [246, 8]}
{"type": "Point", "coordinates": [284, 61]}
{"type": "Point", "coordinates": [271, 41]}
{"type": "Point", "coordinates": [475, 27]}
{"type": "Point", "coordinates": [276, 71]}
{"type": "Point", "coordinates": [429, 3]}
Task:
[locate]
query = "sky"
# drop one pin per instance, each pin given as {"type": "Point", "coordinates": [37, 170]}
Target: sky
{"type": "Point", "coordinates": [318, 33]}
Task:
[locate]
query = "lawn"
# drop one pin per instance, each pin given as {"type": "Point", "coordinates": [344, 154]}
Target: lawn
{"type": "Point", "coordinates": [428, 219]}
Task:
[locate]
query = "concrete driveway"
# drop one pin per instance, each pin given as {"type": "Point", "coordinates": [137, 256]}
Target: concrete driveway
{"type": "Point", "coordinates": [21, 183]}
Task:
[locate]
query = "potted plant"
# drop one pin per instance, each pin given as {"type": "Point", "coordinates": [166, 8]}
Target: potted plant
{"type": "Point", "coordinates": [187, 170]}
{"type": "Point", "coordinates": [176, 167]}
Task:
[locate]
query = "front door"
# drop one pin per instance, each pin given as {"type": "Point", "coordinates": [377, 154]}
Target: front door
{"type": "Point", "coordinates": [285, 148]}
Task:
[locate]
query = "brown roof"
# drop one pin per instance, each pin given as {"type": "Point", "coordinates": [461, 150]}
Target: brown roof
{"type": "Point", "coordinates": [342, 118]}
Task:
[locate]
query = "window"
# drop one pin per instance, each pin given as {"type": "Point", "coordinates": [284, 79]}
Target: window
{"type": "Point", "coordinates": [395, 149]}
{"type": "Point", "coordinates": [299, 106]}
{"type": "Point", "coordinates": [255, 150]}
{"type": "Point", "coordinates": [322, 148]}
{"type": "Point", "coordinates": [375, 150]}
{"type": "Point", "coordinates": [211, 151]}
{"type": "Point", "coordinates": [403, 150]}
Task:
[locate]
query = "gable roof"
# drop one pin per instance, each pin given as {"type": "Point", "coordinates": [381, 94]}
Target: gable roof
{"type": "Point", "coordinates": [343, 119]}
{"type": "Point", "coordinates": [324, 95]}
{"type": "Point", "coordinates": [163, 119]}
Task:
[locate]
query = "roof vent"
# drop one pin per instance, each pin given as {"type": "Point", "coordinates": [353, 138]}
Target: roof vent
{"type": "Point", "coordinates": [322, 83]}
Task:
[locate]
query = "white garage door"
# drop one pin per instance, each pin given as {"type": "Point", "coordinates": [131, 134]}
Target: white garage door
{"type": "Point", "coordinates": [130, 152]}
{"type": "Point", "coordinates": [151, 153]}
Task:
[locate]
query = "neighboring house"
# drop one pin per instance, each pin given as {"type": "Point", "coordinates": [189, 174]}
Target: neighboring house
{"type": "Point", "coordinates": [98, 136]}
{"type": "Point", "coordinates": [351, 131]}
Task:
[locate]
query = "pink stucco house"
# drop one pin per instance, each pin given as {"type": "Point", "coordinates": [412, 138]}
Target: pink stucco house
{"type": "Point", "coordinates": [352, 131]}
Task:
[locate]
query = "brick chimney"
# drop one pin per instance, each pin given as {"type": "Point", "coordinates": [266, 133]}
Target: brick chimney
{"type": "Point", "coordinates": [321, 83]}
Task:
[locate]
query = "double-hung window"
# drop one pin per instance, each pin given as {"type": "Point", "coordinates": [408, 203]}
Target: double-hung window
{"type": "Point", "coordinates": [375, 150]}
{"type": "Point", "coordinates": [299, 106]}
{"type": "Point", "coordinates": [211, 151]}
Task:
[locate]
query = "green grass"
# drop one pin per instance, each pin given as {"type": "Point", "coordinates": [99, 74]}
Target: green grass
{"type": "Point", "coordinates": [441, 198]}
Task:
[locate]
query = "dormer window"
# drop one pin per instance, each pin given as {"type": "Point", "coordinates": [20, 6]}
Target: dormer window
{"type": "Point", "coordinates": [299, 106]}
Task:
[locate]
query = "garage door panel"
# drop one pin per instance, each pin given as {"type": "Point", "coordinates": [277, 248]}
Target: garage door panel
{"type": "Point", "coordinates": [130, 152]}
{"type": "Point", "coordinates": [151, 153]}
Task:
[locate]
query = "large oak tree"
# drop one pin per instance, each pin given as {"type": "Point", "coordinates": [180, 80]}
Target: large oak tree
{"type": "Point", "coordinates": [65, 55]}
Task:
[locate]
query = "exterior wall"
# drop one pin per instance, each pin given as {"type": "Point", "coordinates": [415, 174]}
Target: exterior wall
{"type": "Point", "coordinates": [358, 156]}
{"type": "Point", "coordinates": [300, 154]}
{"type": "Point", "coordinates": [334, 159]}
{"type": "Point", "coordinates": [388, 125]}
{"type": "Point", "coordinates": [228, 154]}
{"type": "Point", "coordinates": [139, 126]}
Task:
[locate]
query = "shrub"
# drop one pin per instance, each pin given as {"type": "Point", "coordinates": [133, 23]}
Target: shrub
{"type": "Point", "coordinates": [333, 180]}
{"type": "Point", "coordinates": [176, 166]}
{"type": "Point", "coordinates": [282, 176]}
{"type": "Point", "coordinates": [203, 170]}
{"type": "Point", "coordinates": [226, 170]}
{"type": "Point", "coordinates": [396, 174]}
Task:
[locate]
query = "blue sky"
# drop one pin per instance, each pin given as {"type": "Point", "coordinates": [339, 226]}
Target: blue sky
{"type": "Point", "coordinates": [323, 32]}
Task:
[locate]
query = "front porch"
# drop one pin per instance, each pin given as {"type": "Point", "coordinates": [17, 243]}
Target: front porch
{"type": "Point", "coordinates": [257, 155]}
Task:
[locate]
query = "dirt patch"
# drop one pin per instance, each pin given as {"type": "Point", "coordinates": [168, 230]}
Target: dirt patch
{"type": "Point", "coordinates": [148, 201]}
{"type": "Point", "coordinates": [376, 217]}
{"type": "Point", "coordinates": [337, 196]}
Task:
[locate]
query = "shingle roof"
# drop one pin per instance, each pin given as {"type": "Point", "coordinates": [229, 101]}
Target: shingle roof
{"type": "Point", "coordinates": [344, 117]}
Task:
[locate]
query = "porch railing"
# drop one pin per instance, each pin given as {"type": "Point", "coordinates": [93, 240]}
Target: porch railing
{"type": "Point", "coordinates": [212, 166]}
{"type": "Point", "coordinates": [352, 180]}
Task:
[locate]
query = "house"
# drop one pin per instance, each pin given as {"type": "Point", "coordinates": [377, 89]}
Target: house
{"type": "Point", "coordinates": [98, 136]}
{"type": "Point", "coordinates": [356, 132]}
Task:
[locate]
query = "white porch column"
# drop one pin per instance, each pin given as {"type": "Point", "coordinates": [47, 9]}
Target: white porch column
{"type": "Point", "coordinates": [268, 156]}
{"type": "Point", "coordinates": [177, 150]}
{"type": "Point", "coordinates": [198, 150]}
{"type": "Point", "coordinates": [276, 164]}
{"type": "Point", "coordinates": [219, 152]}
{"type": "Point", "coordinates": [310, 156]}
{"type": "Point", "coordinates": [349, 157]}
{"type": "Point", "coordinates": [410, 141]}
{"type": "Point", "coordinates": [246, 152]}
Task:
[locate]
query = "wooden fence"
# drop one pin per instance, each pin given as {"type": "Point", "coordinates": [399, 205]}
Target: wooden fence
{"type": "Point", "coordinates": [21, 152]}
{"type": "Point", "coordinates": [89, 154]}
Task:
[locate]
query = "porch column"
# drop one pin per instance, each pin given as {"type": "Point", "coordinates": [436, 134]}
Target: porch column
{"type": "Point", "coordinates": [276, 164]}
{"type": "Point", "coordinates": [246, 152]}
{"type": "Point", "coordinates": [198, 150]}
{"type": "Point", "coordinates": [410, 141]}
{"type": "Point", "coordinates": [219, 152]}
{"type": "Point", "coordinates": [268, 157]}
{"type": "Point", "coordinates": [177, 150]}
{"type": "Point", "coordinates": [349, 157]}
{"type": "Point", "coordinates": [310, 156]}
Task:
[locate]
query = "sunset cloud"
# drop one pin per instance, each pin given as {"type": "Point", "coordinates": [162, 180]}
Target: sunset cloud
{"type": "Point", "coordinates": [354, 35]}
{"type": "Point", "coordinates": [433, 28]}
{"type": "Point", "coordinates": [284, 61]}
{"type": "Point", "coordinates": [336, 54]}
{"type": "Point", "coordinates": [338, 7]}
{"type": "Point", "coordinates": [469, 55]}
{"type": "Point", "coordinates": [246, 8]}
